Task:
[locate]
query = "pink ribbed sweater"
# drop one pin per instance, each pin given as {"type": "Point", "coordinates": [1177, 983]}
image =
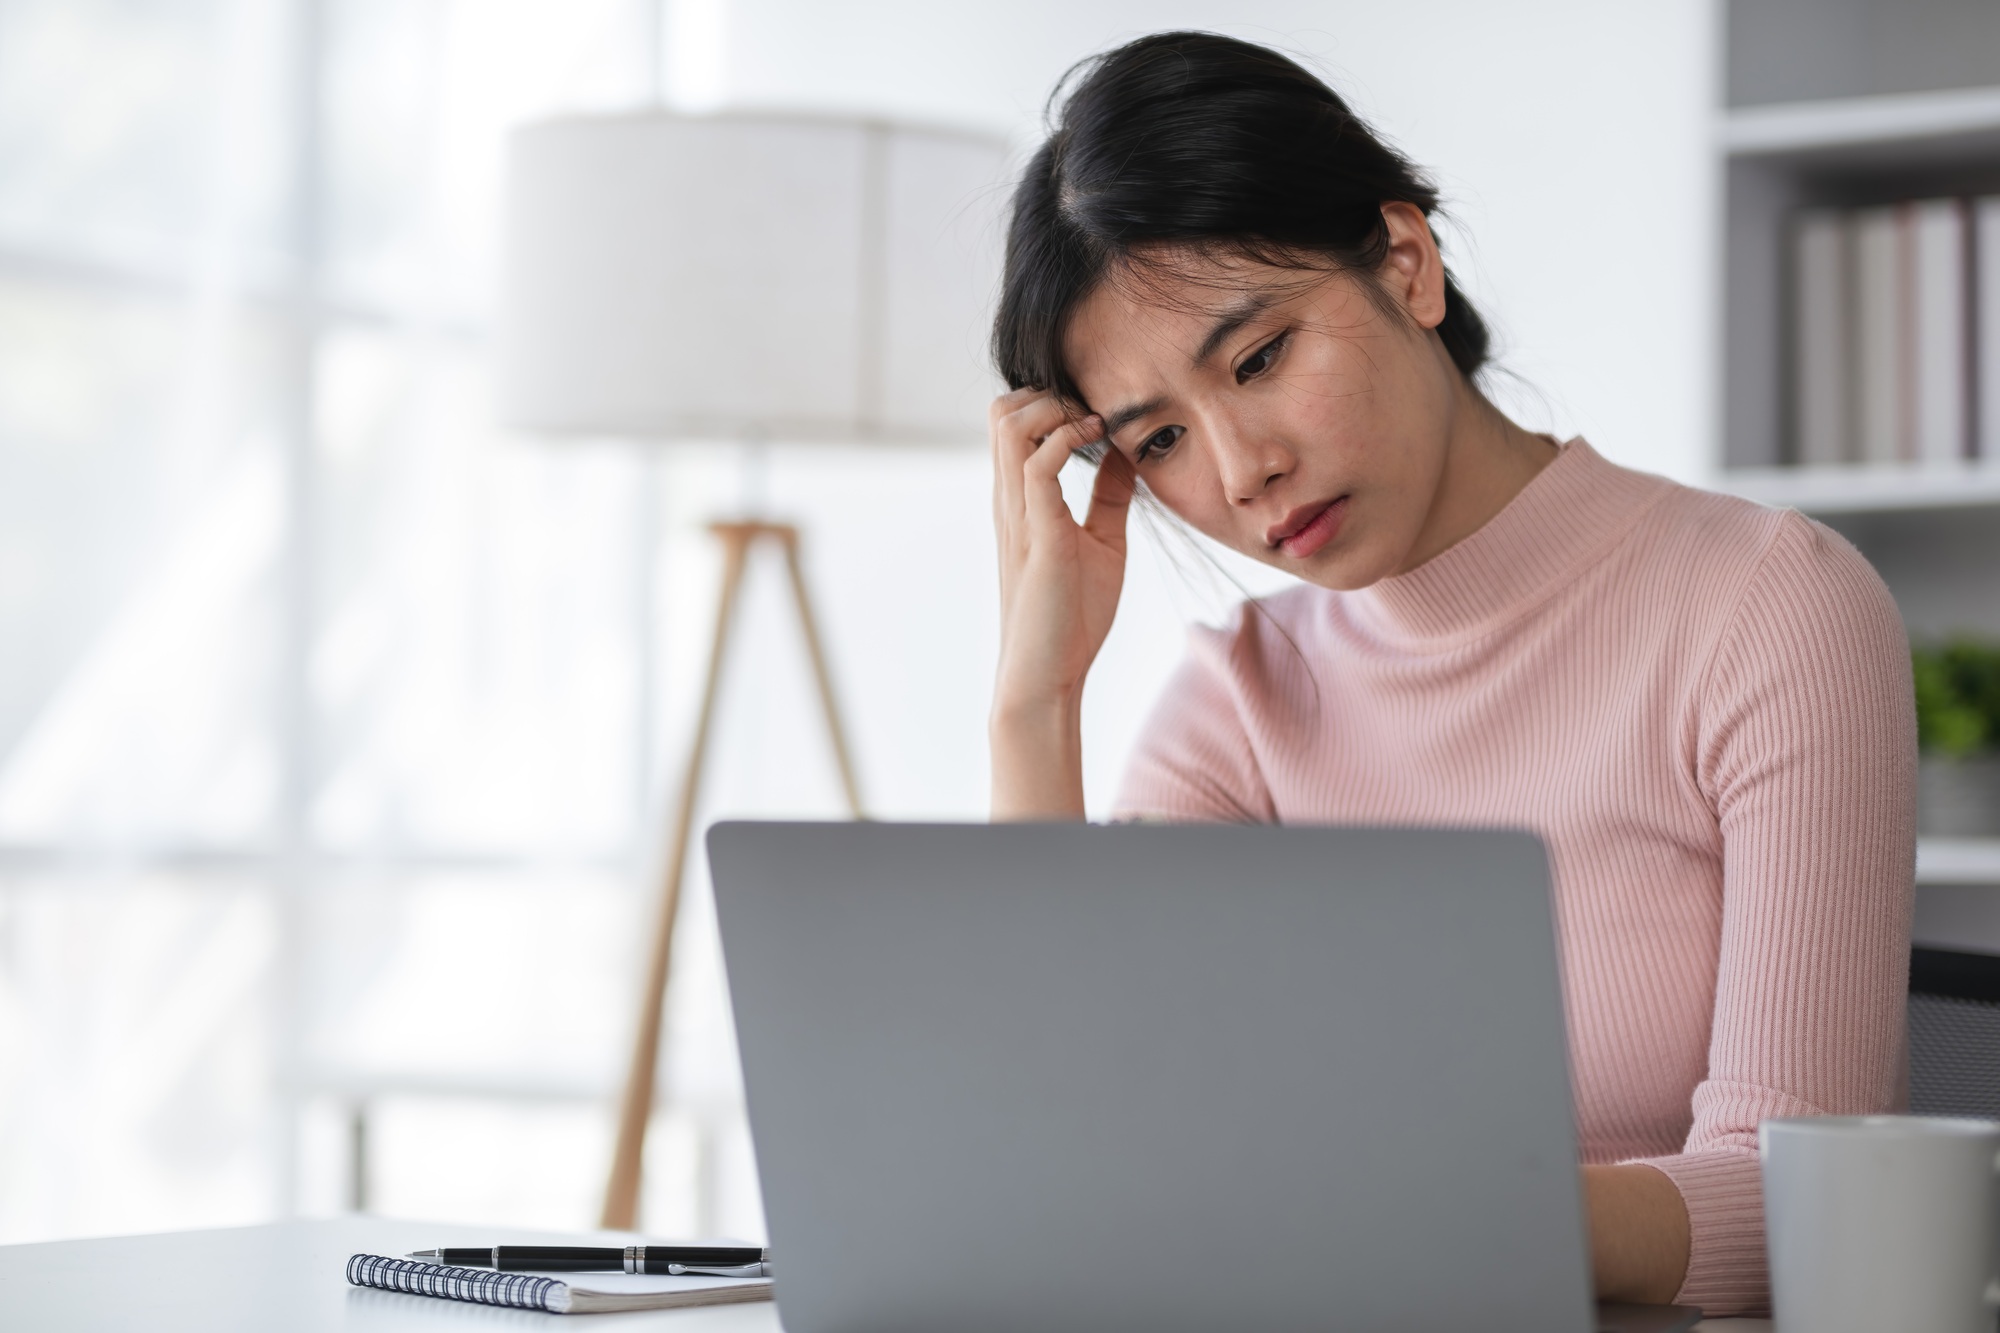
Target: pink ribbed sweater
{"type": "Point", "coordinates": [1703, 706]}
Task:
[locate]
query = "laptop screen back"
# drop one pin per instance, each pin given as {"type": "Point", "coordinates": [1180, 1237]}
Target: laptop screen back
{"type": "Point", "coordinates": [1166, 1078]}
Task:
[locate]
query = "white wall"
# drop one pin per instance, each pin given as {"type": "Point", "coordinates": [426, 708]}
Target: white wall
{"type": "Point", "coordinates": [1570, 138]}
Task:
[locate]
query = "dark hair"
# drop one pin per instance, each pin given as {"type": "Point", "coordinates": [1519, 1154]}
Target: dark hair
{"type": "Point", "coordinates": [1191, 139]}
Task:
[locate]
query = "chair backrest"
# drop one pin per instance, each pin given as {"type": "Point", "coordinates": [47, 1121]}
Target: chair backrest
{"type": "Point", "coordinates": [1954, 1033]}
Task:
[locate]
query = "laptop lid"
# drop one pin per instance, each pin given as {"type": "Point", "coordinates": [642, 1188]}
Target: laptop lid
{"type": "Point", "coordinates": [1168, 1078]}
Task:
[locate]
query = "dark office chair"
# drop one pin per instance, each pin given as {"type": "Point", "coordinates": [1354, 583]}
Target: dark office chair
{"type": "Point", "coordinates": [1954, 1033]}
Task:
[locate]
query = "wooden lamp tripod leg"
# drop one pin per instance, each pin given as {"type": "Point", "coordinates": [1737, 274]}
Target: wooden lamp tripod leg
{"type": "Point", "coordinates": [834, 733]}
{"type": "Point", "coordinates": [635, 1109]}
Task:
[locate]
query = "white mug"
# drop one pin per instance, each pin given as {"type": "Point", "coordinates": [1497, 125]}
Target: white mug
{"type": "Point", "coordinates": [1882, 1223]}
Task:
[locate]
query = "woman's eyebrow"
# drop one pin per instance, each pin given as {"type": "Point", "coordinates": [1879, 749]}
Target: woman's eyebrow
{"type": "Point", "coordinates": [1125, 416]}
{"type": "Point", "coordinates": [1233, 317]}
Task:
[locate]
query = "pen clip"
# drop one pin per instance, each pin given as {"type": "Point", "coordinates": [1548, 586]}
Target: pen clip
{"type": "Point", "coordinates": [735, 1270]}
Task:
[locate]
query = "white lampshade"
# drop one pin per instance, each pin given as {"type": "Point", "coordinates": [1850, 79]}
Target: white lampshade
{"type": "Point", "coordinates": [786, 277]}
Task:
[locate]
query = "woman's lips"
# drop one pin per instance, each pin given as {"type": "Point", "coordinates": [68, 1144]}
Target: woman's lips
{"type": "Point", "coordinates": [1318, 530]}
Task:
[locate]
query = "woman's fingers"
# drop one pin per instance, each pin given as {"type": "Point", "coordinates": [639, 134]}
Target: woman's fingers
{"type": "Point", "coordinates": [1004, 460]}
{"type": "Point", "coordinates": [1033, 437]}
{"type": "Point", "coordinates": [1010, 400]}
{"type": "Point", "coordinates": [1043, 470]}
{"type": "Point", "coordinates": [1021, 420]}
{"type": "Point", "coordinates": [1058, 587]}
{"type": "Point", "coordinates": [1111, 498]}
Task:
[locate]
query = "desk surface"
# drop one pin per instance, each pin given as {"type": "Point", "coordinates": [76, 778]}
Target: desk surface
{"type": "Point", "coordinates": [292, 1276]}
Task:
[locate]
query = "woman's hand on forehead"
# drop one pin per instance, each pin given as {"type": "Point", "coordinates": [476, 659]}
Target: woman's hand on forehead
{"type": "Point", "coordinates": [1059, 586]}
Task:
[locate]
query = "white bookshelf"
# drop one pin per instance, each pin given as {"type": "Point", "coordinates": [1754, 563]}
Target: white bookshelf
{"type": "Point", "coordinates": [1776, 159]}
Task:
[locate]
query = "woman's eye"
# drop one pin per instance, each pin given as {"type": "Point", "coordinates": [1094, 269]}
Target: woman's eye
{"type": "Point", "coordinates": [1156, 444]}
{"type": "Point", "coordinates": [1260, 360]}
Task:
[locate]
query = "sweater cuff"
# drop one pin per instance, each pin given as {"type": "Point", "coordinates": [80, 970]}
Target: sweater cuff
{"type": "Point", "coordinates": [1724, 1192]}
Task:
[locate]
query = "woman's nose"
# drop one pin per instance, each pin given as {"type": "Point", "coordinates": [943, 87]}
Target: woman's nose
{"type": "Point", "coordinates": [1249, 466]}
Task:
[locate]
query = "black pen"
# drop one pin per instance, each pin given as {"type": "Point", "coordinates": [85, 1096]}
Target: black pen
{"type": "Point", "coordinates": [709, 1260]}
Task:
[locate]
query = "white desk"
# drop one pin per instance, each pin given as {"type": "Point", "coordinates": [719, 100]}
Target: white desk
{"type": "Point", "coordinates": [291, 1278]}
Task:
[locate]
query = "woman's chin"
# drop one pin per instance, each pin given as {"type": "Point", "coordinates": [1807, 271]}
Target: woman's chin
{"type": "Point", "coordinates": [1342, 567]}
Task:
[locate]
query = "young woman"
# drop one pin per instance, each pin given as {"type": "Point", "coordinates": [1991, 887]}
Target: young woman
{"type": "Point", "coordinates": [1223, 286]}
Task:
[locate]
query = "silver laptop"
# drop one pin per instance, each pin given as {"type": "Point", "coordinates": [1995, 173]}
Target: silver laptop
{"type": "Point", "coordinates": [1056, 1077]}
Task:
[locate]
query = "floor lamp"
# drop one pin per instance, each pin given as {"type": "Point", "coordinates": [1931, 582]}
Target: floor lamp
{"type": "Point", "coordinates": [748, 278]}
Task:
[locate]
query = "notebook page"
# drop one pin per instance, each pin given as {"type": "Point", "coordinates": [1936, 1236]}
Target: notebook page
{"type": "Point", "coordinates": [605, 1292]}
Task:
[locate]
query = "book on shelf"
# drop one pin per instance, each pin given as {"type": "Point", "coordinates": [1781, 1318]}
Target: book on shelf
{"type": "Point", "coordinates": [1985, 312]}
{"type": "Point", "coordinates": [1888, 305]}
{"type": "Point", "coordinates": [1936, 344]}
{"type": "Point", "coordinates": [1876, 335]}
{"type": "Point", "coordinates": [1821, 299]}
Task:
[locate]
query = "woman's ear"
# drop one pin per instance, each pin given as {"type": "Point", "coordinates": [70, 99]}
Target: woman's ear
{"type": "Point", "coordinates": [1413, 270]}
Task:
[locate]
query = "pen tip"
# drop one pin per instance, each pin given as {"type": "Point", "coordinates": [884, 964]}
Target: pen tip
{"type": "Point", "coordinates": [422, 1254]}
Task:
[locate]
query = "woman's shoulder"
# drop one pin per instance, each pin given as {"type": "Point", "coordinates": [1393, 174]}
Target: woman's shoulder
{"type": "Point", "coordinates": [1774, 598]}
{"type": "Point", "coordinates": [1710, 531]}
{"type": "Point", "coordinates": [1736, 549]}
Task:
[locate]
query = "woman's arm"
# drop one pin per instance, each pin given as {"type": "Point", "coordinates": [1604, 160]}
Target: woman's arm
{"type": "Point", "coordinates": [1059, 586]}
{"type": "Point", "coordinates": [1803, 741]}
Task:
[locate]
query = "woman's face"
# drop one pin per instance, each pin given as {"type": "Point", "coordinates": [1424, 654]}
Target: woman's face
{"type": "Point", "coordinates": [1282, 413]}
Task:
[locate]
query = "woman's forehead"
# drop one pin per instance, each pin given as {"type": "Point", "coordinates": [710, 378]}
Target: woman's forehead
{"type": "Point", "coordinates": [1120, 324]}
{"type": "Point", "coordinates": [1163, 315]}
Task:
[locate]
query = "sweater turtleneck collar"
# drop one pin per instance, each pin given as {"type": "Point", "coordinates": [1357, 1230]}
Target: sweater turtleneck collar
{"type": "Point", "coordinates": [1570, 513]}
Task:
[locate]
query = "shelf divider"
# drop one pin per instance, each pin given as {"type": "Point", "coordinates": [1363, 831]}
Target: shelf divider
{"type": "Point", "coordinates": [1880, 488]}
{"type": "Point", "coordinates": [1958, 861]}
{"type": "Point", "coordinates": [1807, 127]}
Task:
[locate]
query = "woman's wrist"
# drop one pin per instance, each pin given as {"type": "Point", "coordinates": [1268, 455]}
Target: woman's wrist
{"type": "Point", "coordinates": [1639, 1233]}
{"type": "Point", "coordinates": [1037, 757]}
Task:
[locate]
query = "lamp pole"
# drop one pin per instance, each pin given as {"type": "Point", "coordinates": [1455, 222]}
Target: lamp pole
{"type": "Point", "coordinates": [635, 1105]}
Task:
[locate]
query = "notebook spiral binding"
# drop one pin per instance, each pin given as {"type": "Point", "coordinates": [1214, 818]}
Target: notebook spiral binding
{"type": "Point", "coordinates": [523, 1291]}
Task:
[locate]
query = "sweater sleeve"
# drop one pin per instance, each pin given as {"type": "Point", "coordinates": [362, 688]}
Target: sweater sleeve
{"type": "Point", "coordinates": [1194, 762]}
{"type": "Point", "coordinates": [1803, 742]}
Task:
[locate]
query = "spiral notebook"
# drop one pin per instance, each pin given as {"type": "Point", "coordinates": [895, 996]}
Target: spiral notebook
{"type": "Point", "coordinates": [572, 1293]}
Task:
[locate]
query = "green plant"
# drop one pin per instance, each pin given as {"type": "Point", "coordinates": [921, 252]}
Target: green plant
{"type": "Point", "coordinates": [1958, 697]}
